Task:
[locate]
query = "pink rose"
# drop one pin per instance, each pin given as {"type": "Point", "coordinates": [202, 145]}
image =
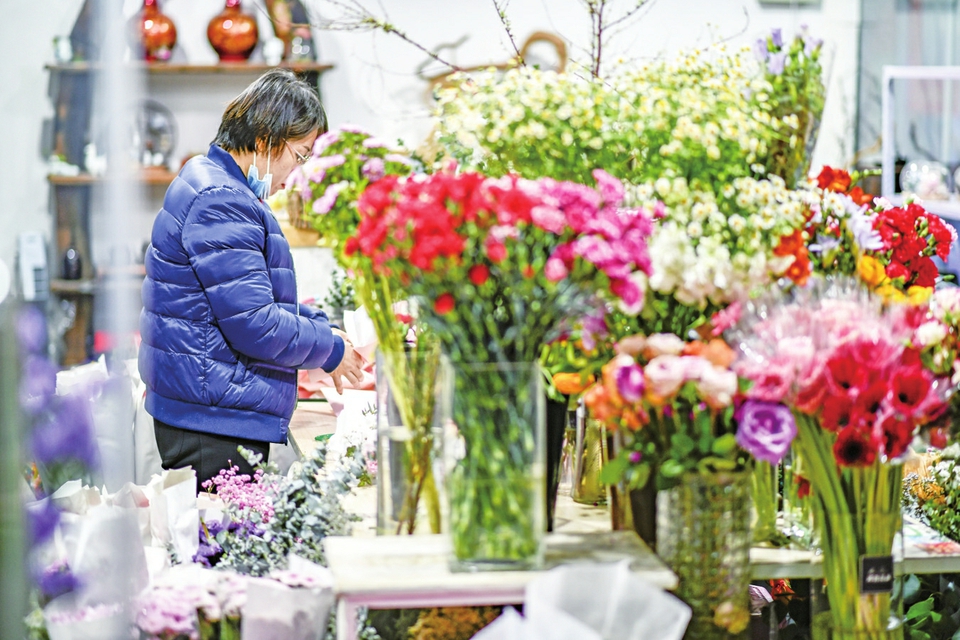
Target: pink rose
{"type": "Point", "coordinates": [717, 386]}
{"type": "Point", "coordinates": [555, 270]}
{"type": "Point", "coordinates": [664, 344]}
{"type": "Point", "coordinates": [664, 375]}
{"type": "Point", "coordinates": [549, 218]}
{"type": "Point", "coordinates": [772, 381]}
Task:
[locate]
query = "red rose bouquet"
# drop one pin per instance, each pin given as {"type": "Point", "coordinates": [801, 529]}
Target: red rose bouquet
{"type": "Point", "coordinates": [494, 265]}
{"type": "Point", "coordinates": [838, 358]}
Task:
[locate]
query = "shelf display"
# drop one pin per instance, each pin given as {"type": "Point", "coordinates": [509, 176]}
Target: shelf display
{"type": "Point", "coordinates": [232, 33]}
{"type": "Point", "coordinates": [153, 32]}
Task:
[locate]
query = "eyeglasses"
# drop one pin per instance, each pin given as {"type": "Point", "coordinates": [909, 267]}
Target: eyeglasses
{"type": "Point", "coordinates": [301, 159]}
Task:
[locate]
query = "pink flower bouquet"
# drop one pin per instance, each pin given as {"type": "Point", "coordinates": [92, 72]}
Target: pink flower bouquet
{"type": "Point", "coordinates": [840, 360]}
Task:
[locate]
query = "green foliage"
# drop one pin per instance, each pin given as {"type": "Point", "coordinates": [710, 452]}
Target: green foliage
{"type": "Point", "coordinates": [307, 508]}
{"type": "Point", "coordinates": [932, 607]}
{"type": "Point", "coordinates": [341, 294]}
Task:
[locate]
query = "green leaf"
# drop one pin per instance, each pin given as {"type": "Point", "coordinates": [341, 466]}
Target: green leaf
{"type": "Point", "coordinates": [724, 445]}
{"type": "Point", "coordinates": [920, 609]}
{"type": "Point", "coordinates": [640, 476]}
{"type": "Point", "coordinates": [671, 469]}
{"type": "Point", "coordinates": [911, 589]}
{"type": "Point", "coordinates": [614, 470]}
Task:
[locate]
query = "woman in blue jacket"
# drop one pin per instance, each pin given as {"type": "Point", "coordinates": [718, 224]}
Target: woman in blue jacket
{"type": "Point", "coordinates": [223, 333]}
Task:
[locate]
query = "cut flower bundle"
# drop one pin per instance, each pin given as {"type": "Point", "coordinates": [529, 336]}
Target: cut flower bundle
{"type": "Point", "coordinates": [839, 359]}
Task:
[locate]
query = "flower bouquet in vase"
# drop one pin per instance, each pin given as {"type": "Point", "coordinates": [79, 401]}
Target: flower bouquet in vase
{"type": "Point", "coordinates": [494, 265]}
{"type": "Point", "coordinates": [674, 407]}
{"type": "Point", "coordinates": [343, 163]}
{"type": "Point", "coordinates": [838, 358]}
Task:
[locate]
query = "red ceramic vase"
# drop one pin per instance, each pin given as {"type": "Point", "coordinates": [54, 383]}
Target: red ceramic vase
{"type": "Point", "coordinates": [233, 34]}
{"type": "Point", "coordinates": [154, 32]}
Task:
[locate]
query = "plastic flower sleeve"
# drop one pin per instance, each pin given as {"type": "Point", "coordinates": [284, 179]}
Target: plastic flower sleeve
{"type": "Point", "coordinates": [174, 518]}
{"type": "Point", "coordinates": [276, 611]}
{"type": "Point", "coordinates": [619, 604]}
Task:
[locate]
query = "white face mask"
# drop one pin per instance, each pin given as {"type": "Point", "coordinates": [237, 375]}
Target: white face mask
{"type": "Point", "coordinates": [260, 187]}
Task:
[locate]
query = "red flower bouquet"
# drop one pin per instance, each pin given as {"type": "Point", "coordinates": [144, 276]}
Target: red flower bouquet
{"type": "Point", "coordinates": [494, 265]}
{"type": "Point", "coordinates": [850, 232]}
{"type": "Point", "coordinates": [838, 358]}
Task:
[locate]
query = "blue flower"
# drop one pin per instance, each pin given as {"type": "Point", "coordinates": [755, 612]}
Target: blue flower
{"type": "Point", "coordinates": [66, 433]}
{"type": "Point", "coordinates": [777, 37]}
{"type": "Point", "coordinates": [42, 519]}
{"type": "Point", "coordinates": [777, 62]}
{"type": "Point", "coordinates": [38, 384]}
{"type": "Point", "coordinates": [760, 49]}
{"type": "Point", "coordinates": [57, 580]}
{"type": "Point", "coordinates": [31, 329]}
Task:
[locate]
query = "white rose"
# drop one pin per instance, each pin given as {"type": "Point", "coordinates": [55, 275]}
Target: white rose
{"type": "Point", "coordinates": [931, 333]}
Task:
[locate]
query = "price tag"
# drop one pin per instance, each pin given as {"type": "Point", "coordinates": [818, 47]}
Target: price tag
{"type": "Point", "coordinates": [876, 574]}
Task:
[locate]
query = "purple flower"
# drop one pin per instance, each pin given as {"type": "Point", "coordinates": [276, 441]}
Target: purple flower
{"type": "Point", "coordinates": [56, 580]}
{"type": "Point", "coordinates": [329, 162]}
{"type": "Point", "coordinates": [760, 49]}
{"type": "Point", "coordinates": [777, 36]}
{"type": "Point", "coordinates": [635, 457]}
{"type": "Point", "coordinates": [66, 433]}
{"type": "Point", "coordinates": [31, 329]}
{"type": "Point", "coordinates": [765, 430]}
{"type": "Point", "coordinates": [38, 384]}
{"type": "Point", "coordinates": [593, 326]}
{"type": "Point", "coordinates": [399, 159]}
{"type": "Point", "coordinates": [776, 63]}
{"type": "Point", "coordinates": [810, 45]}
{"type": "Point", "coordinates": [373, 169]}
{"type": "Point", "coordinates": [325, 203]}
{"type": "Point", "coordinates": [353, 128]}
{"type": "Point", "coordinates": [42, 519]}
{"type": "Point", "coordinates": [325, 141]}
{"type": "Point", "coordinates": [630, 382]}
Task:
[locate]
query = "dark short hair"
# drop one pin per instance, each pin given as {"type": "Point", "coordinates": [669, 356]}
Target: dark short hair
{"type": "Point", "coordinates": [276, 107]}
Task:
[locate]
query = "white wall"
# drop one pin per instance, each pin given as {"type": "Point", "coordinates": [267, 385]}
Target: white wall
{"type": "Point", "coordinates": [374, 83]}
{"type": "Point", "coordinates": [26, 35]}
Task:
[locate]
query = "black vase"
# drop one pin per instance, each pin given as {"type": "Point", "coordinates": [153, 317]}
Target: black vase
{"type": "Point", "coordinates": [556, 428]}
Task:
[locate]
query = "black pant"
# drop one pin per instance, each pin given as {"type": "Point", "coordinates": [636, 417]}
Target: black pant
{"type": "Point", "coordinates": [205, 452]}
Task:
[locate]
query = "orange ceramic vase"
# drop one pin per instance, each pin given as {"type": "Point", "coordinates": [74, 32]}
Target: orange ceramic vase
{"type": "Point", "coordinates": [154, 32]}
{"type": "Point", "coordinates": [232, 33]}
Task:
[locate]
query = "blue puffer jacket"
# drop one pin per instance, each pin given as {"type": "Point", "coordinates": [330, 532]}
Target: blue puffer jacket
{"type": "Point", "coordinates": [223, 334]}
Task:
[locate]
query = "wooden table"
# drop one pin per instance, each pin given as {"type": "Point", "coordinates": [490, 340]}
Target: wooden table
{"type": "Point", "coordinates": [399, 572]}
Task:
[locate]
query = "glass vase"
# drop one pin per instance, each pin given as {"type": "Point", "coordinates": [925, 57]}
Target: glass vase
{"type": "Point", "coordinates": [703, 534]}
{"type": "Point", "coordinates": [764, 481]}
{"type": "Point", "coordinates": [797, 510]}
{"type": "Point", "coordinates": [862, 556]}
{"type": "Point", "coordinates": [409, 434]}
{"type": "Point", "coordinates": [495, 465]}
{"type": "Point", "coordinates": [589, 456]}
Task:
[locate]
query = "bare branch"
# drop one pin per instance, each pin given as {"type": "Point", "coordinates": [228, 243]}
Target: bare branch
{"type": "Point", "coordinates": [629, 13]}
{"type": "Point", "coordinates": [502, 13]}
{"type": "Point", "coordinates": [355, 17]}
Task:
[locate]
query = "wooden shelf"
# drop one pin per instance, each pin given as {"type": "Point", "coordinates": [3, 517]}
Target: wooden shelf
{"type": "Point", "coordinates": [147, 176]}
{"type": "Point", "coordinates": [224, 67]}
{"type": "Point", "coordinates": [80, 287]}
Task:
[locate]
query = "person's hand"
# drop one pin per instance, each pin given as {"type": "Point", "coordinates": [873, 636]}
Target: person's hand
{"type": "Point", "coordinates": [350, 367]}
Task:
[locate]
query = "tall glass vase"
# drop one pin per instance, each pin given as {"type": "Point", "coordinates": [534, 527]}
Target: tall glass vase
{"type": "Point", "coordinates": [495, 465]}
{"type": "Point", "coordinates": [409, 434]}
{"type": "Point", "coordinates": [703, 534]}
{"type": "Point", "coordinates": [858, 522]}
{"type": "Point", "coordinates": [766, 497]}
